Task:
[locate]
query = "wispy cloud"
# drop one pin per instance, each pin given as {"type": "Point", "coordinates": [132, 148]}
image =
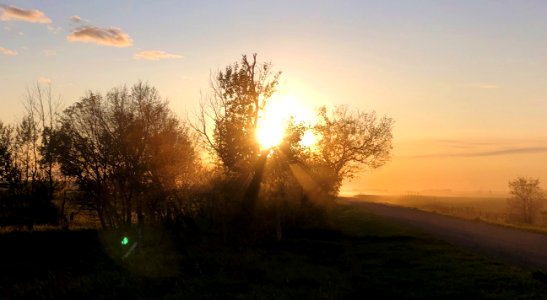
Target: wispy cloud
{"type": "Point", "coordinates": [103, 36]}
{"type": "Point", "coordinates": [12, 13]}
{"type": "Point", "coordinates": [155, 55]}
{"type": "Point", "coordinates": [446, 148]}
{"type": "Point", "coordinates": [8, 52]}
{"type": "Point", "coordinates": [506, 151]}
{"type": "Point", "coordinates": [54, 30]}
{"type": "Point", "coordinates": [465, 144]}
{"type": "Point", "coordinates": [44, 80]}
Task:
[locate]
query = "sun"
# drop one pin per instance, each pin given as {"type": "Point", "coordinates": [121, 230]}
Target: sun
{"type": "Point", "coordinates": [270, 134]}
{"type": "Point", "coordinates": [308, 139]}
{"type": "Point", "coordinates": [272, 123]}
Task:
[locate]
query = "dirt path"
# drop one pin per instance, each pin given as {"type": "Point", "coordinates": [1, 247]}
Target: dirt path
{"type": "Point", "coordinates": [507, 244]}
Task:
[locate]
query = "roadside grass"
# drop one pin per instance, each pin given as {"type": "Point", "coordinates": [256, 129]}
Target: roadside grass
{"type": "Point", "coordinates": [359, 256]}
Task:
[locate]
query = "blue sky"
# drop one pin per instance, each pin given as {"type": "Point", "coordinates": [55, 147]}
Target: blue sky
{"type": "Point", "coordinates": [463, 71]}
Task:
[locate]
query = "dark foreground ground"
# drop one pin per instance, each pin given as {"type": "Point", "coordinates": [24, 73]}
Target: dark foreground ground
{"type": "Point", "coordinates": [363, 257]}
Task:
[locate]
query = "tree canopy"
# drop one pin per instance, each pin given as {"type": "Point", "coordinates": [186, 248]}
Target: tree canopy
{"type": "Point", "coordinates": [239, 94]}
{"type": "Point", "coordinates": [121, 147]}
{"type": "Point", "coordinates": [133, 160]}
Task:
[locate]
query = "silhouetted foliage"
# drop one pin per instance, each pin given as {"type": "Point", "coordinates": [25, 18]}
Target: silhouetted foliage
{"type": "Point", "coordinates": [133, 161]}
{"type": "Point", "coordinates": [240, 93]}
{"type": "Point", "coordinates": [128, 152]}
{"type": "Point", "coordinates": [7, 168]}
{"type": "Point", "coordinates": [26, 170]}
{"type": "Point", "coordinates": [527, 198]}
{"type": "Point", "coordinates": [290, 179]}
{"type": "Point", "coordinates": [347, 142]}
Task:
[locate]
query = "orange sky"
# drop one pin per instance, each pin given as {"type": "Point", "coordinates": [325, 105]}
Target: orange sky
{"type": "Point", "coordinates": [464, 80]}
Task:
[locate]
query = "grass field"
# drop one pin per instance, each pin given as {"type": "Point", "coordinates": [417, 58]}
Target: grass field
{"type": "Point", "coordinates": [463, 206]}
{"type": "Point", "coordinates": [361, 256]}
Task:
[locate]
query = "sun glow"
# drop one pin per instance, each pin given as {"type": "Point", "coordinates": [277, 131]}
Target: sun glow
{"type": "Point", "coordinates": [273, 122]}
{"type": "Point", "coordinates": [270, 133]}
{"type": "Point", "coordinates": [308, 139]}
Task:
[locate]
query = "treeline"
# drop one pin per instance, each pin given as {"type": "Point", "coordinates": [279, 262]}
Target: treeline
{"type": "Point", "coordinates": [128, 158]}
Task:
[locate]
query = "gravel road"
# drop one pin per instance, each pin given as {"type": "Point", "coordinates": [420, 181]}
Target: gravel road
{"type": "Point", "coordinates": [521, 247]}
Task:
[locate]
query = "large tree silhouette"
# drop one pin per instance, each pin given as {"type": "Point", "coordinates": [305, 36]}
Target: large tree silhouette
{"type": "Point", "coordinates": [127, 151]}
{"type": "Point", "coordinates": [229, 118]}
{"type": "Point", "coordinates": [228, 121]}
{"type": "Point", "coordinates": [347, 142]}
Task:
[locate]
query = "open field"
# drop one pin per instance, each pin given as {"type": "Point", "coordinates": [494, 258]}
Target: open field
{"type": "Point", "coordinates": [493, 208]}
{"type": "Point", "coordinates": [360, 256]}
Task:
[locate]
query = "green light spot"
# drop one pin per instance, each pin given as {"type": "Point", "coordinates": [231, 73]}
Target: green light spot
{"type": "Point", "coordinates": [125, 240]}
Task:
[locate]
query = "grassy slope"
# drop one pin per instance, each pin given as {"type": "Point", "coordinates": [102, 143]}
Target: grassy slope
{"type": "Point", "coordinates": [366, 257]}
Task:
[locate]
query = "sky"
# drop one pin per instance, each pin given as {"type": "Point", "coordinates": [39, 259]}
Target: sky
{"type": "Point", "coordinates": [465, 81]}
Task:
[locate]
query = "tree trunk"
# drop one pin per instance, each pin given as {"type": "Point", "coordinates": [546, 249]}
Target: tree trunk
{"type": "Point", "coordinates": [251, 194]}
{"type": "Point", "coordinates": [278, 228]}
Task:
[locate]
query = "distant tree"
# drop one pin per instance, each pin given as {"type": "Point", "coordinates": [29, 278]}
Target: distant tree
{"type": "Point", "coordinates": [33, 138]}
{"type": "Point", "coordinates": [26, 165]}
{"type": "Point", "coordinates": [348, 141]}
{"type": "Point", "coordinates": [127, 151]}
{"type": "Point", "coordinates": [527, 198]}
{"type": "Point", "coordinates": [7, 168]}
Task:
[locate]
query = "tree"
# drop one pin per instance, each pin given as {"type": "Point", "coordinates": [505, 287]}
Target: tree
{"type": "Point", "coordinates": [348, 141]}
{"type": "Point", "coordinates": [228, 121]}
{"type": "Point", "coordinates": [526, 200]}
{"type": "Point", "coordinates": [26, 167]}
{"type": "Point", "coordinates": [127, 151]}
{"type": "Point", "coordinates": [33, 140]}
{"type": "Point", "coordinates": [6, 154]}
{"type": "Point", "coordinates": [240, 93]}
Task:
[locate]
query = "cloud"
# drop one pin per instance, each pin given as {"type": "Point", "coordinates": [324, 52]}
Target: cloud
{"type": "Point", "coordinates": [76, 19]}
{"type": "Point", "coordinates": [103, 36]}
{"type": "Point", "coordinates": [446, 148]}
{"type": "Point", "coordinates": [12, 13]}
{"type": "Point", "coordinates": [8, 52]}
{"type": "Point", "coordinates": [506, 151]}
{"type": "Point", "coordinates": [44, 80]}
{"type": "Point", "coordinates": [54, 30]}
{"type": "Point", "coordinates": [155, 55]}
